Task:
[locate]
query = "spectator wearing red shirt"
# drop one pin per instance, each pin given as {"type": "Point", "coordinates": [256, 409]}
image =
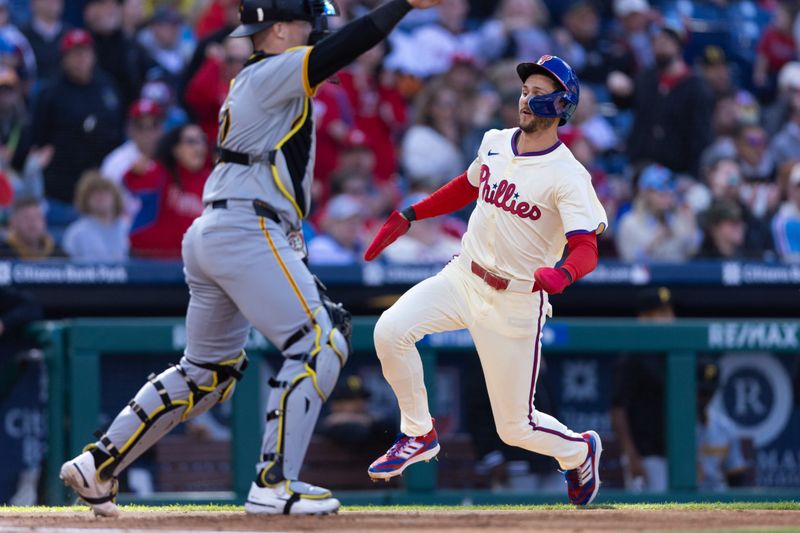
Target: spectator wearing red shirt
{"type": "Point", "coordinates": [380, 111]}
{"type": "Point", "coordinates": [208, 88]}
{"type": "Point", "coordinates": [170, 189]}
{"type": "Point", "coordinates": [333, 118]}
{"type": "Point", "coordinates": [775, 48]}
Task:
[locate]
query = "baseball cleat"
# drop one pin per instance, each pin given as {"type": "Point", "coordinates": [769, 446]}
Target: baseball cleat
{"type": "Point", "coordinates": [80, 474]}
{"type": "Point", "coordinates": [290, 497]}
{"type": "Point", "coordinates": [584, 482]}
{"type": "Point", "coordinates": [405, 451]}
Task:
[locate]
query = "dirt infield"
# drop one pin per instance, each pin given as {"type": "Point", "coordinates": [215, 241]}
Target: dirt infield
{"type": "Point", "coordinates": [585, 520]}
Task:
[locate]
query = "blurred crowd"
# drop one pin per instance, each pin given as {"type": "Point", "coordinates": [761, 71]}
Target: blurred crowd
{"type": "Point", "coordinates": [689, 122]}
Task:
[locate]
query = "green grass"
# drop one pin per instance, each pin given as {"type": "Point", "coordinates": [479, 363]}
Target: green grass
{"type": "Point", "coordinates": [743, 506]}
{"type": "Point", "coordinates": [765, 529]}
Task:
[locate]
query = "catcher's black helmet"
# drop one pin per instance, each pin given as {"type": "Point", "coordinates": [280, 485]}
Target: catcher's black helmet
{"type": "Point", "coordinates": [257, 15]}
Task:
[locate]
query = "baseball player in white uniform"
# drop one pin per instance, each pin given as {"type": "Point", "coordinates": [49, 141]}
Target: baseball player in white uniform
{"type": "Point", "coordinates": [244, 264]}
{"type": "Point", "coordinates": [533, 198]}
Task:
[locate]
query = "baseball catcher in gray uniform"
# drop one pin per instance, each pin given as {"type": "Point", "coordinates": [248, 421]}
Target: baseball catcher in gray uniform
{"type": "Point", "coordinates": [244, 264]}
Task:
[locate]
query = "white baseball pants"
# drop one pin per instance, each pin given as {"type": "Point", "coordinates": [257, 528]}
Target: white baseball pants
{"type": "Point", "coordinates": [506, 328]}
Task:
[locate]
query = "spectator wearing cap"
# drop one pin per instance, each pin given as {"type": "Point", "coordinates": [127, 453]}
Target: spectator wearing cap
{"type": "Point", "coordinates": [160, 92]}
{"type": "Point", "coordinates": [657, 228]}
{"type": "Point", "coordinates": [101, 233]}
{"type": "Point", "coordinates": [775, 48]}
{"type": "Point", "coordinates": [716, 71]}
{"type": "Point", "coordinates": [340, 241]}
{"type": "Point", "coordinates": [785, 145]}
{"type": "Point", "coordinates": [27, 236]}
{"type": "Point", "coordinates": [672, 108]}
{"type": "Point", "coordinates": [725, 183]}
{"type": "Point", "coordinates": [170, 191]}
{"type": "Point", "coordinates": [637, 402]}
{"type": "Point", "coordinates": [591, 53]}
{"type": "Point", "coordinates": [161, 40]}
{"type": "Point", "coordinates": [731, 112]}
{"type": "Point", "coordinates": [208, 89]}
{"type": "Point", "coordinates": [80, 115]}
{"type": "Point", "coordinates": [427, 243]}
{"type": "Point", "coordinates": [431, 148]}
{"type": "Point", "coordinates": [781, 111]}
{"type": "Point", "coordinates": [44, 32]}
{"type": "Point", "coordinates": [145, 128]}
{"type": "Point", "coordinates": [119, 56]}
{"type": "Point", "coordinates": [753, 154]}
{"type": "Point", "coordinates": [786, 223]}
{"type": "Point", "coordinates": [723, 231]}
{"type": "Point", "coordinates": [378, 108]}
{"type": "Point", "coordinates": [22, 57]}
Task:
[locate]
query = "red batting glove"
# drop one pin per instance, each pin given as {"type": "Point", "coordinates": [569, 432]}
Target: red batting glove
{"type": "Point", "coordinates": [551, 280]}
{"type": "Point", "coordinates": [395, 226]}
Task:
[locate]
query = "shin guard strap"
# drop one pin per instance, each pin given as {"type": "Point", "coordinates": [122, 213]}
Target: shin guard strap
{"type": "Point", "coordinates": [136, 408]}
{"type": "Point", "coordinates": [189, 381]}
{"type": "Point", "coordinates": [223, 371]}
{"type": "Point", "coordinates": [162, 391]}
{"type": "Point", "coordinates": [110, 448]}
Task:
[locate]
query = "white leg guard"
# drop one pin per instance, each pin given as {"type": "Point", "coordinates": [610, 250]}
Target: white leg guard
{"type": "Point", "coordinates": [179, 393]}
{"type": "Point", "coordinates": [300, 388]}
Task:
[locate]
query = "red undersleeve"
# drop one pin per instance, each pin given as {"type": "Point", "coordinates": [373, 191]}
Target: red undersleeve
{"type": "Point", "coordinates": [581, 255]}
{"type": "Point", "coordinates": [452, 196]}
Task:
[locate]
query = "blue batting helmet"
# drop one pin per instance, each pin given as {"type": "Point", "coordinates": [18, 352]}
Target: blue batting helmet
{"type": "Point", "coordinates": [559, 104]}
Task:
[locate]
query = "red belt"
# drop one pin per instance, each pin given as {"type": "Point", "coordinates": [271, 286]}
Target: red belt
{"type": "Point", "coordinates": [490, 279]}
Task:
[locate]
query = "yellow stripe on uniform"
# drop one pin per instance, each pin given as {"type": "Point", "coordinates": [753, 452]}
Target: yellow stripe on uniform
{"type": "Point", "coordinates": [285, 270]}
{"type": "Point", "coordinates": [282, 409]}
{"type": "Point", "coordinates": [297, 123]}
{"type": "Point", "coordinates": [310, 91]}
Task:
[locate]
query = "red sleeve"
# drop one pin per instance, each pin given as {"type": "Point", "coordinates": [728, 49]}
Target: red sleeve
{"type": "Point", "coordinates": [581, 255]}
{"type": "Point", "coordinates": [452, 196]}
{"type": "Point", "coordinates": [202, 92]}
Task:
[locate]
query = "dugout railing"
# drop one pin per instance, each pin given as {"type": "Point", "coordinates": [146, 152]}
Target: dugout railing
{"type": "Point", "coordinates": [74, 348]}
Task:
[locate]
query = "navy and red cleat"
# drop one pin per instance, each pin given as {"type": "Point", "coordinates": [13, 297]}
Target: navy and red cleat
{"type": "Point", "coordinates": [584, 482]}
{"type": "Point", "coordinates": [405, 451]}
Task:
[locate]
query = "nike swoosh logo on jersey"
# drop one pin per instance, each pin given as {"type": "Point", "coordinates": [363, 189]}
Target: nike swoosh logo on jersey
{"type": "Point", "coordinates": [490, 154]}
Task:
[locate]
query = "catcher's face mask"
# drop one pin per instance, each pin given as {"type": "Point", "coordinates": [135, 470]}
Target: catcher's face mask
{"type": "Point", "coordinates": [321, 10]}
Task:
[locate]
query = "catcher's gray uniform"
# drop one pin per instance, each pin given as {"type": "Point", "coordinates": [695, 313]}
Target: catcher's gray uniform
{"type": "Point", "coordinates": [243, 259]}
{"type": "Point", "coordinates": [244, 265]}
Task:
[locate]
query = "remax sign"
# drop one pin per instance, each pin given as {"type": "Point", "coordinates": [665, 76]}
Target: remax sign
{"type": "Point", "coordinates": [754, 335]}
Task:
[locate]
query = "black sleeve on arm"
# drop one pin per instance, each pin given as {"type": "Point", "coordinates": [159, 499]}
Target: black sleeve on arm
{"type": "Point", "coordinates": [353, 39]}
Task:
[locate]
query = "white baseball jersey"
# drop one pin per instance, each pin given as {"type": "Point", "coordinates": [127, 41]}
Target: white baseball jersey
{"type": "Point", "coordinates": [528, 204]}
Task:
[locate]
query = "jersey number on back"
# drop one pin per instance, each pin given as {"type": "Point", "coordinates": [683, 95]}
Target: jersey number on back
{"type": "Point", "coordinates": [224, 124]}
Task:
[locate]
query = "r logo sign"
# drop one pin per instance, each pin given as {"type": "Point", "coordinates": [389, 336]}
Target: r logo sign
{"type": "Point", "coordinates": [756, 395]}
